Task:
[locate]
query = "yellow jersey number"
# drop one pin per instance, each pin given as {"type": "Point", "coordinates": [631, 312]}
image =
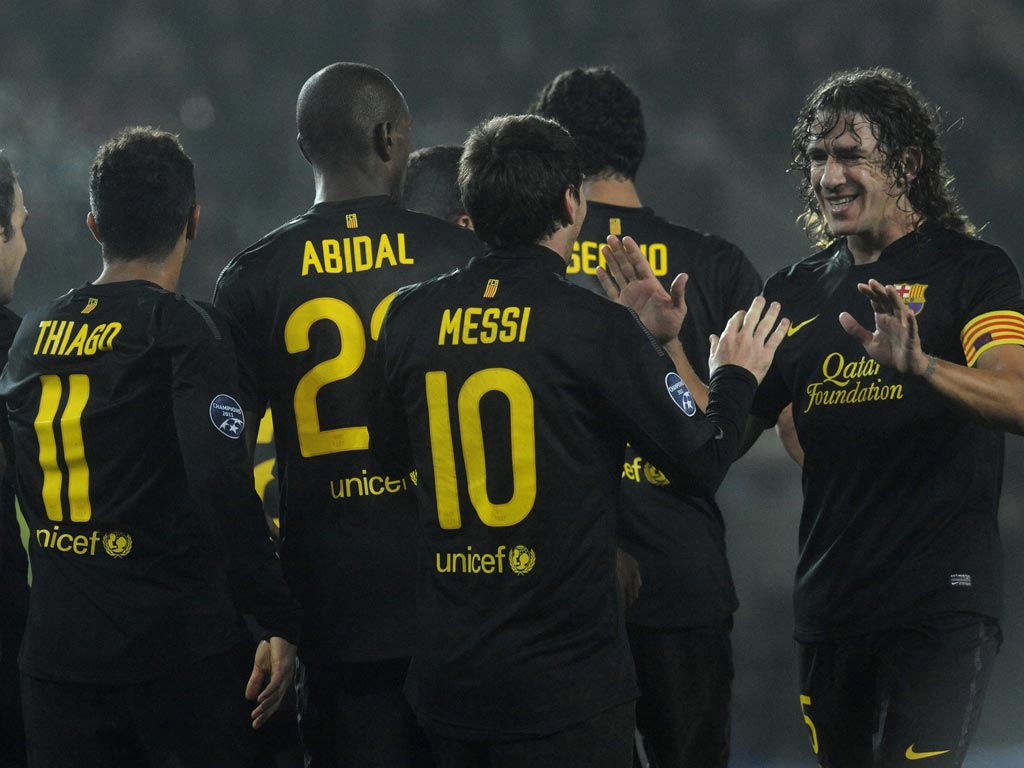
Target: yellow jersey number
{"type": "Point", "coordinates": [523, 442]}
{"type": "Point", "coordinates": [314, 441]}
{"type": "Point", "coordinates": [71, 446]}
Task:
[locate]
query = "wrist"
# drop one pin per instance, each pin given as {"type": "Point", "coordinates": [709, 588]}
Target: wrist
{"type": "Point", "coordinates": [929, 369]}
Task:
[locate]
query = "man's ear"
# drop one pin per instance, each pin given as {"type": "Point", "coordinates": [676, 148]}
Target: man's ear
{"type": "Point", "coordinates": [572, 205]}
{"type": "Point", "coordinates": [302, 148]}
{"type": "Point", "coordinates": [90, 221]}
{"type": "Point", "coordinates": [464, 221]}
{"type": "Point", "coordinates": [192, 224]}
{"type": "Point", "coordinates": [382, 141]}
{"type": "Point", "coordinates": [912, 161]}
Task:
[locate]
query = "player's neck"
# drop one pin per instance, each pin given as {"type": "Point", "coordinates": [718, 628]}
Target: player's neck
{"type": "Point", "coordinates": [333, 188]}
{"type": "Point", "coordinates": [164, 273]}
{"type": "Point", "coordinates": [612, 192]}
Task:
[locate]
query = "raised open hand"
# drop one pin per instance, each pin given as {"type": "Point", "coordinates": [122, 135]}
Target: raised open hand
{"type": "Point", "coordinates": [630, 281]}
{"type": "Point", "coordinates": [750, 338]}
{"type": "Point", "coordinates": [895, 341]}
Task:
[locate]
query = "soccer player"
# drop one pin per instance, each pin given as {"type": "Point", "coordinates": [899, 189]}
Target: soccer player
{"type": "Point", "coordinates": [13, 560]}
{"type": "Point", "coordinates": [146, 535]}
{"type": "Point", "coordinates": [310, 297]}
{"type": "Point", "coordinates": [520, 392]}
{"type": "Point", "coordinates": [679, 625]}
{"type": "Point", "coordinates": [903, 368]}
{"type": "Point", "coordinates": [432, 184]}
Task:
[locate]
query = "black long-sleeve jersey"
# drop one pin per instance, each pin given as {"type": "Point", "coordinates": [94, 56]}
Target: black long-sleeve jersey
{"type": "Point", "coordinates": [901, 487]}
{"type": "Point", "coordinates": [147, 537]}
{"type": "Point", "coordinates": [310, 298]}
{"type": "Point", "coordinates": [13, 558]}
{"type": "Point", "coordinates": [520, 392]}
{"type": "Point", "coordinates": [678, 538]}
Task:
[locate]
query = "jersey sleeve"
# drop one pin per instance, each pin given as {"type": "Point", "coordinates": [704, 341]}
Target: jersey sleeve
{"type": "Point", "coordinates": [211, 423]}
{"type": "Point", "coordinates": [994, 310]}
{"type": "Point", "coordinates": [659, 417]}
{"type": "Point", "coordinates": [742, 277]}
{"type": "Point", "coordinates": [232, 298]}
{"type": "Point", "coordinates": [394, 450]}
{"type": "Point", "coordinates": [772, 395]}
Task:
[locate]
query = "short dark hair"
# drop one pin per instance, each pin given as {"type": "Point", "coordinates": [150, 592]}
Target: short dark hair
{"type": "Point", "coordinates": [432, 182]}
{"type": "Point", "coordinates": [142, 191]}
{"type": "Point", "coordinates": [513, 175]}
{"type": "Point", "coordinates": [604, 116]}
{"type": "Point", "coordinates": [7, 181]}
{"type": "Point", "coordinates": [900, 120]}
{"type": "Point", "coordinates": [338, 108]}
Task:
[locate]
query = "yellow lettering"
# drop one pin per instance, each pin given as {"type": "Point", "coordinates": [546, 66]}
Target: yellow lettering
{"type": "Point", "coordinates": [363, 251]}
{"type": "Point", "coordinates": [401, 250]}
{"type": "Point", "coordinates": [591, 257]}
{"type": "Point", "coordinates": [490, 325]}
{"type": "Point", "coordinates": [384, 251]}
{"type": "Point", "coordinates": [574, 260]}
{"type": "Point", "coordinates": [107, 342]}
{"type": "Point", "coordinates": [332, 256]}
{"type": "Point", "coordinates": [526, 322]}
{"type": "Point", "coordinates": [509, 323]}
{"type": "Point", "coordinates": [53, 337]}
{"type": "Point", "coordinates": [470, 321]}
{"type": "Point", "coordinates": [79, 342]}
{"type": "Point", "coordinates": [43, 325]}
{"type": "Point", "coordinates": [311, 259]}
{"type": "Point", "coordinates": [657, 257]}
{"type": "Point", "coordinates": [450, 326]}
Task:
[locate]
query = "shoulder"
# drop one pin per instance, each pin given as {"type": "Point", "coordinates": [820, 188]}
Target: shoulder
{"type": "Point", "coordinates": [193, 321]}
{"type": "Point", "coordinates": [971, 247]}
{"type": "Point", "coordinates": [808, 270]}
{"type": "Point", "coordinates": [252, 261]}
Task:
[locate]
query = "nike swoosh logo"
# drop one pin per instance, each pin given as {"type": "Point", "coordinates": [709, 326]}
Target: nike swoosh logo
{"type": "Point", "coordinates": [912, 755]}
{"type": "Point", "coordinates": [794, 328]}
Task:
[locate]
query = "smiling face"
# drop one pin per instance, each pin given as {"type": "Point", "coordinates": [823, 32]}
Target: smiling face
{"type": "Point", "coordinates": [857, 196]}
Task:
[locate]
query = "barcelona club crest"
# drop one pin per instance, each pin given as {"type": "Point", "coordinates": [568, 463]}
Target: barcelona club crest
{"type": "Point", "coordinates": [912, 295]}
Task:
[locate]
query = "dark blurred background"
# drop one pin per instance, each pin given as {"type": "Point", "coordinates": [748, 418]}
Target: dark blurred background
{"type": "Point", "coordinates": [721, 81]}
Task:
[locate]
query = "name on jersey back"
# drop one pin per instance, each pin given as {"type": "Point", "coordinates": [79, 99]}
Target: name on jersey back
{"type": "Point", "coordinates": [354, 254]}
{"type": "Point", "coordinates": [73, 338]}
{"type": "Point", "coordinates": [479, 325]}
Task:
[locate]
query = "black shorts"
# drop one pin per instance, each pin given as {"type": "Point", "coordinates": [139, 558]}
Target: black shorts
{"type": "Point", "coordinates": [906, 694]}
{"type": "Point", "coordinates": [685, 677]}
{"type": "Point", "coordinates": [603, 741]}
{"type": "Point", "coordinates": [356, 714]}
{"type": "Point", "coordinates": [196, 717]}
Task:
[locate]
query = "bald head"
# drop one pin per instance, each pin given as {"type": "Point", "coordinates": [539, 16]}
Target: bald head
{"type": "Point", "coordinates": [351, 119]}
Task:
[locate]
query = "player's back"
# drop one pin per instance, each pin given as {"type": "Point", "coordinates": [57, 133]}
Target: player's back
{"type": "Point", "coordinates": [126, 579]}
{"type": "Point", "coordinates": [515, 386]}
{"type": "Point", "coordinates": [310, 298]}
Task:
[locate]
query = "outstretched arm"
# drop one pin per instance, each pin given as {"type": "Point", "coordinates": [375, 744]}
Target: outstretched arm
{"type": "Point", "coordinates": [993, 391]}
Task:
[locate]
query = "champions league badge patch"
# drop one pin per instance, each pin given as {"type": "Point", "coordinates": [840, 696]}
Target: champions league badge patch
{"type": "Point", "coordinates": [912, 295]}
{"type": "Point", "coordinates": [680, 395]}
{"type": "Point", "coordinates": [227, 416]}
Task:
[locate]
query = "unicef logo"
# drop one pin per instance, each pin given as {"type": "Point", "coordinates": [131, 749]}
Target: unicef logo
{"type": "Point", "coordinates": [227, 416]}
{"type": "Point", "coordinates": [654, 476]}
{"type": "Point", "coordinates": [117, 544]}
{"type": "Point", "coordinates": [680, 394]}
{"type": "Point", "coordinates": [521, 559]}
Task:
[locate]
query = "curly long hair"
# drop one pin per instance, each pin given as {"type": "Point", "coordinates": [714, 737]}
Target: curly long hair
{"type": "Point", "coordinates": [900, 120]}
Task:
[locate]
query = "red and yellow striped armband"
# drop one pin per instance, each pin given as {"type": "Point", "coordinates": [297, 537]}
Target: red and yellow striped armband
{"type": "Point", "coordinates": [991, 330]}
